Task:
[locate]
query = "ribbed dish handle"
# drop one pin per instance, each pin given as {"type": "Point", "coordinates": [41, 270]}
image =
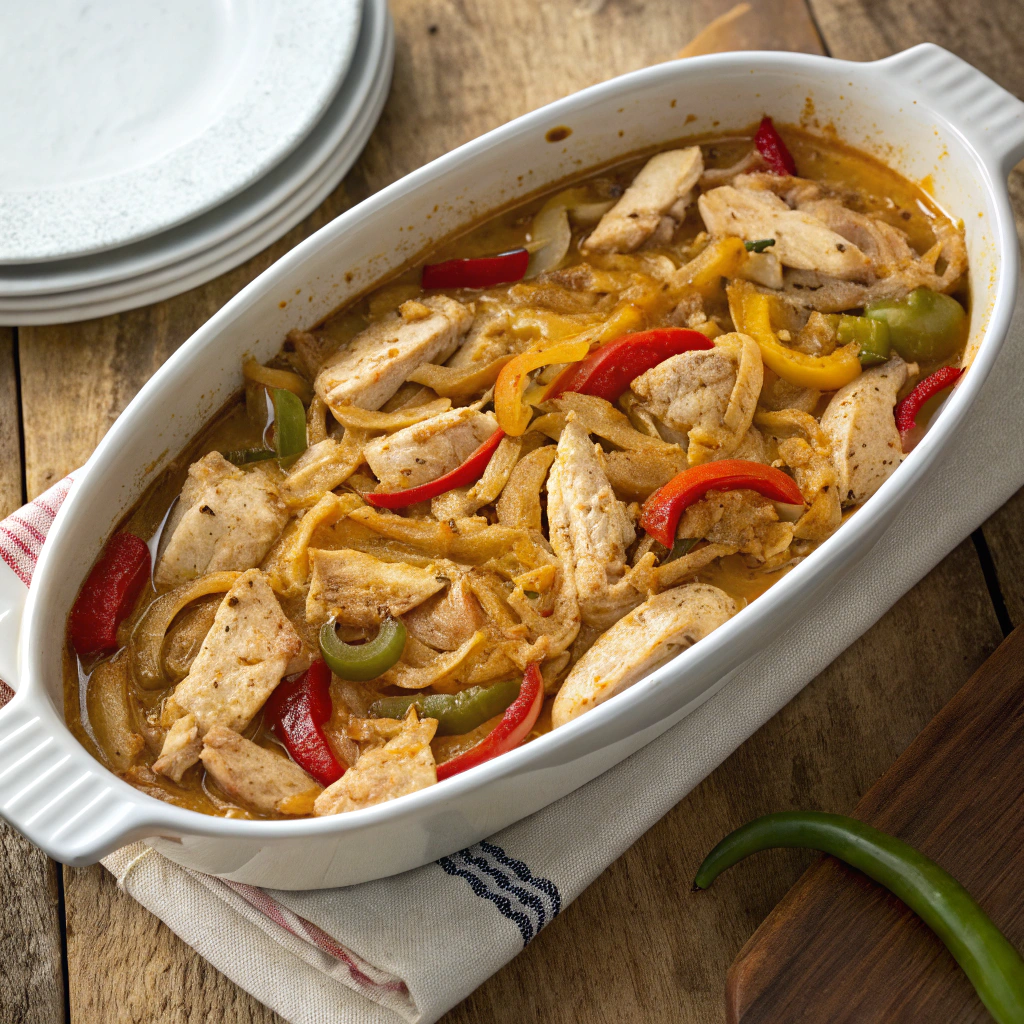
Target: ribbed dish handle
{"type": "Point", "coordinates": [991, 118]}
{"type": "Point", "coordinates": [52, 792]}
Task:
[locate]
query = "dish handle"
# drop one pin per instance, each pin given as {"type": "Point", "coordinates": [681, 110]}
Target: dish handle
{"type": "Point", "coordinates": [991, 118]}
{"type": "Point", "coordinates": [55, 794]}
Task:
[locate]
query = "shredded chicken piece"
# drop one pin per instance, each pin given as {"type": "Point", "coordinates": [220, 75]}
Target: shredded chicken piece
{"type": "Point", "coordinates": [360, 590]}
{"type": "Point", "coordinates": [403, 765]}
{"type": "Point", "coordinates": [660, 192]}
{"type": "Point", "coordinates": [590, 528]}
{"type": "Point", "coordinates": [638, 643]}
{"type": "Point", "coordinates": [859, 422]}
{"type": "Point", "coordinates": [801, 240]}
{"type": "Point", "coordinates": [423, 452]}
{"type": "Point", "coordinates": [369, 370]}
{"type": "Point", "coordinates": [708, 395]}
{"type": "Point", "coordinates": [255, 776]}
{"type": "Point", "coordinates": [226, 518]}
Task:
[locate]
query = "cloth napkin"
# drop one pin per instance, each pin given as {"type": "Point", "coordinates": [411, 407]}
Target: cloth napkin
{"type": "Point", "coordinates": [410, 947]}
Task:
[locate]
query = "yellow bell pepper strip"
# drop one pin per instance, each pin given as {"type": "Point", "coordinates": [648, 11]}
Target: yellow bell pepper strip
{"type": "Point", "coordinates": [722, 258]}
{"type": "Point", "coordinates": [513, 412]}
{"type": "Point", "coordinates": [750, 313]}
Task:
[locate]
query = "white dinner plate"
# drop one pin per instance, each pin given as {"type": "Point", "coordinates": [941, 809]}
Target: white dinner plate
{"type": "Point", "coordinates": [131, 118]}
{"type": "Point", "coordinates": [358, 106]}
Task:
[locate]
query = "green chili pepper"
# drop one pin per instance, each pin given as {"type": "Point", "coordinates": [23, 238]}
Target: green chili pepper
{"type": "Point", "coordinates": [243, 456]}
{"type": "Point", "coordinates": [760, 245]}
{"type": "Point", "coordinates": [456, 713]}
{"type": "Point", "coordinates": [992, 964]}
{"type": "Point", "coordinates": [363, 661]}
{"type": "Point", "coordinates": [871, 336]}
{"type": "Point", "coordinates": [922, 325]}
{"type": "Point", "coordinates": [289, 424]}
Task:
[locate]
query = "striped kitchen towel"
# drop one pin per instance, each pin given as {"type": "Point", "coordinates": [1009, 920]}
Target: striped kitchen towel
{"type": "Point", "coordinates": [409, 947]}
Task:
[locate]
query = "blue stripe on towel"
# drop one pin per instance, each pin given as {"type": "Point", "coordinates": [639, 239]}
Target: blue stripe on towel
{"type": "Point", "coordinates": [508, 884]}
{"type": "Point", "coordinates": [522, 922]}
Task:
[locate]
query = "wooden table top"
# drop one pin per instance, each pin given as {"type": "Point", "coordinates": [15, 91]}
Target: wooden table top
{"type": "Point", "coordinates": [637, 945]}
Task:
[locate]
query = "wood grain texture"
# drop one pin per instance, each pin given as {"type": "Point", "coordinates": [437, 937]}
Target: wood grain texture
{"type": "Point", "coordinates": [839, 949]}
{"type": "Point", "coordinates": [1004, 533]}
{"type": "Point", "coordinates": [31, 983]}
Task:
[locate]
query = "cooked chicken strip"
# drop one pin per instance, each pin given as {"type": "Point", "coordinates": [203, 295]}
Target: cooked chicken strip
{"type": "Point", "coordinates": [637, 644]}
{"type": "Point", "coordinates": [662, 189]}
{"type": "Point", "coordinates": [423, 452]}
{"type": "Point", "coordinates": [488, 339]}
{"type": "Point", "coordinates": [801, 240]}
{"type": "Point", "coordinates": [225, 519]}
{"type": "Point", "coordinates": [709, 395]}
{"type": "Point", "coordinates": [241, 661]}
{"type": "Point", "coordinates": [590, 528]}
{"type": "Point", "coordinates": [360, 590]}
{"type": "Point", "coordinates": [255, 776]}
{"type": "Point", "coordinates": [368, 371]}
{"type": "Point", "coordinates": [859, 422]}
{"type": "Point", "coordinates": [403, 765]}
{"type": "Point", "coordinates": [446, 621]}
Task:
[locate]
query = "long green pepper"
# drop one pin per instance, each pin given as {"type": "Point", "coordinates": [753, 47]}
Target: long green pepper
{"type": "Point", "coordinates": [456, 713]}
{"type": "Point", "coordinates": [986, 956]}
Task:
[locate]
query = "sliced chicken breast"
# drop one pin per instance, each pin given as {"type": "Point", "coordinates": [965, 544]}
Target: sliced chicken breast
{"type": "Point", "coordinates": [709, 396]}
{"type": "Point", "coordinates": [418, 454]}
{"type": "Point", "coordinates": [661, 191]}
{"type": "Point", "coordinates": [859, 423]}
{"type": "Point", "coordinates": [590, 528]}
{"type": "Point", "coordinates": [255, 776]}
{"type": "Point", "coordinates": [403, 765]}
{"type": "Point", "coordinates": [368, 371]}
{"type": "Point", "coordinates": [226, 518]}
{"type": "Point", "coordinates": [801, 240]}
{"type": "Point", "coordinates": [241, 661]}
{"type": "Point", "coordinates": [359, 590]}
{"type": "Point", "coordinates": [637, 644]}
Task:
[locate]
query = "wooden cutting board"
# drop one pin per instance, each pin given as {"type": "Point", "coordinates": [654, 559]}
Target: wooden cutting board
{"type": "Point", "coordinates": [840, 949]}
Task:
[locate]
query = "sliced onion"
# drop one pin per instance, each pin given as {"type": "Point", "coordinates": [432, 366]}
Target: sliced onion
{"type": "Point", "coordinates": [550, 226]}
{"type": "Point", "coordinates": [788, 513]}
{"type": "Point", "coordinates": [586, 214]}
{"type": "Point", "coordinates": [271, 378]}
{"type": "Point", "coordinates": [147, 643]}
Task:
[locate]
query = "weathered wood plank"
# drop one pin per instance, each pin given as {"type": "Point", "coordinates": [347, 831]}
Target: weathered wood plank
{"type": "Point", "coordinates": [32, 988]}
{"type": "Point", "coordinates": [639, 945]}
{"type": "Point", "coordinates": [956, 795]}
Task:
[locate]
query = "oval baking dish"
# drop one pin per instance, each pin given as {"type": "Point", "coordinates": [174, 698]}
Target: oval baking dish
{"type": "Point", "coordinates": [924, 112]}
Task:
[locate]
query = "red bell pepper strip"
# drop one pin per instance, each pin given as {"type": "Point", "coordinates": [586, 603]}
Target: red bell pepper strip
{"type": "Point", "coordinates": [483, 272]}
{"type": "Point", "coordinates": [468, 473]}
{"type": "Point", "coordinates": [609, 370]}
{"type": "Point", "coordinates": [296, 711]}
{"type": "Point", "coordinates": [661, 511]}
{"type": "Point", "coordinates": [907, 408]}
{"type": "Point", "coordinates": [515, 725]}
{"type": "Point", "coordinates": [770, 145]}
{"type": "Point", "coordinates": [109, 594]}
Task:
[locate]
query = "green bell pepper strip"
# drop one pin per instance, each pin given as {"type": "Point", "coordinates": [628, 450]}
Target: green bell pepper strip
{"type": "Point", "coordinates": [456, 713]}
{"type": "Point", "coordinates": [243, 456]}
{"type": "Point", "coordinates": [760, 245]}
{"type": "Point", "coordinates": [360, 662]}
{"type": "Point", "coordinates": [289, 424]}
{"type": "Point", "coordinates": [923, 325]}
{"type": "Point", "coordinates": [871, 336]}
{"type": "Point", "coordinates": [994, 967]}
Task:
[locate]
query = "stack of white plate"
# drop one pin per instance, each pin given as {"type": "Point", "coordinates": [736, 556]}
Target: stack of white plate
{"type": "Point", "coordinates": [151, 147]}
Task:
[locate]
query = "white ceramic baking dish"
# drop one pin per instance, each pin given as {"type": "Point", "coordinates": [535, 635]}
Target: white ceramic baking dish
{"type": "Point", "coordinates": [925, 112]}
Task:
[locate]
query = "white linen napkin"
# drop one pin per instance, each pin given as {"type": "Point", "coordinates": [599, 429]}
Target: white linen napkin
{"type": "Point", "coordinates": [410, 947]}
